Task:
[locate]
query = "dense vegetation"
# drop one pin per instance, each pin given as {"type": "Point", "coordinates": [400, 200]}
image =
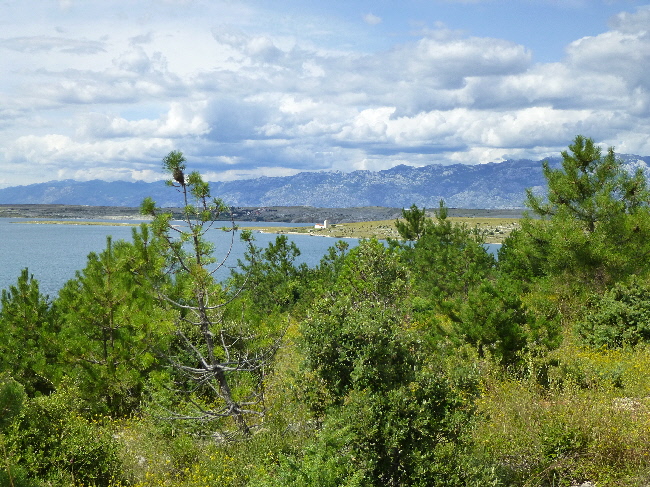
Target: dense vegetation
{"type": "Point", "coordinates": [419, 362]}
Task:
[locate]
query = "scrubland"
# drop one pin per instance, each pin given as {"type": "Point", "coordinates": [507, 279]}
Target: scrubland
{"type": "Point", "coordinates": [417, 361]}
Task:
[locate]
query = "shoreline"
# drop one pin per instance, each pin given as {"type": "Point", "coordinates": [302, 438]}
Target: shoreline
{"type": "Point", "coordinates": [68, 222]}
{"type": "Point", "coordinates": [360, 223]}
{"type": "Point", "coordinates": [495, 230]}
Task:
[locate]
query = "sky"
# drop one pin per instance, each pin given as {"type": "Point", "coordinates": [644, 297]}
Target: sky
{"type": "Point", "coordinates": [105, 89]}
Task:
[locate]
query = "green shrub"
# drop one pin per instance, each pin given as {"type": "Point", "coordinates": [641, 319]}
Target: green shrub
{"type": "Point", "coordinates": [534, 437]}
{"type": "Point", "coordinates": [58, 445]}
{"type": "Point", "coordinates": [403, 436]}
{"type": "Point", "coordinates": [12, 397]}
{"type": "Point", "coordinates": [619, 317]}
{"type": "Point", "coordinates": [17, 477]}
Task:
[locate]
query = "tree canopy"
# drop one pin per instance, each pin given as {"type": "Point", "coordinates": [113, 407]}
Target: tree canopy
{"type": "Point", "coordinates": [591, 226]}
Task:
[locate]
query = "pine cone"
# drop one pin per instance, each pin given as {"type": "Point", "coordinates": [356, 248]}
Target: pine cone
{"type": "Point", "coordinates": [179, 176]}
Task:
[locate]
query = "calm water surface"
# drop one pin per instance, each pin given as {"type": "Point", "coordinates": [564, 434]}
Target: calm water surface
{"type": "Point", "coordinates": [53, 252]}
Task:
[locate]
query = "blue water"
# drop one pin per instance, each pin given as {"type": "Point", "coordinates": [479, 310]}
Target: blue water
{"type": "Point", "coordinates": [53, 252]}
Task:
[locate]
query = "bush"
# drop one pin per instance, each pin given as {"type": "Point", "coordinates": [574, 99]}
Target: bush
{"type": "Point", "coordinates": [619, 317]}
{"type": "Point", "coordinates": [58, 445]}
{"type": "Point", "coordinates": [405, 436]}
{"type": "Point", "coordinates": [12, 397]}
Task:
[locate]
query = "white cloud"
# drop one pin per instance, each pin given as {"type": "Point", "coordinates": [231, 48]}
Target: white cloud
{"type": "Point", "coordinates": [243, 95]}
{"type": "Point", "coordinates": [54, 149]}
{"type": "Point", "coordinates": [371, 19]}
{"type": "Point", "coordinates": [181, 120]}
{"type": "Point", "coordinates": [50, 44]}
{"type": "Point", "coordinates": [626, 55]}
{"type": "Point", "coordinates": [370, 124]}
{"type": "Point", "coordinates": [134, 61]}
{"type": "Point", "coordinates": [631, 23]}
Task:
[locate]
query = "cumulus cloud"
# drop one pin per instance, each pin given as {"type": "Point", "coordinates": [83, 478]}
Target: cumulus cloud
{"type": "Point", "coordinates": [242, 101]}
{"type": "Point", "coordinates": [461, 58]}
{"type": "Point", "coordinates": [631, 22]}
{"type": "Point", "coordinates": [66, 158]}
{"type": "Point", "coordinates": [181, 120]}
{"type": "Point", "coordinates": [622, 54]}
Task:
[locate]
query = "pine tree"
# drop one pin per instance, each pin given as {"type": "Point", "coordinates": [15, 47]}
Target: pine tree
{"type": "Point", "coordinates": [220, 376]}
{"type": "Point", "coordinates": [108, 336]}
{"type": "Point", "coordinates": [594, 224]}
{"type": "Point", "coordinates": [28, 328]}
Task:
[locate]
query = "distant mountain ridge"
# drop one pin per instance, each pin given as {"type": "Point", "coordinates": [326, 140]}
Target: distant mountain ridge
{"type": "Point", "coordinates": [493, 185]}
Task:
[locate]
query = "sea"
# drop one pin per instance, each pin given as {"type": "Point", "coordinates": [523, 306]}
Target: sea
{"type": "Point", "coordinates": [53, 252]}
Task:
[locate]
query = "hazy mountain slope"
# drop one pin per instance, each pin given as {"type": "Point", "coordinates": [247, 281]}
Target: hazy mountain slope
{"type": "Point", "coordinates": [494, 185]}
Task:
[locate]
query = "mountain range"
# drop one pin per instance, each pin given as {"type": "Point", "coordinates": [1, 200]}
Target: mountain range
{"type": "Point", "coordinates": [493, 185]}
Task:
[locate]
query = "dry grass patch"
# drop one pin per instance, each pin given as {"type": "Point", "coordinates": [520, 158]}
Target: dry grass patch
{"type": "Point", "coordinates": [496, 229]}
{"type": "Point", "coordinates": [591, 423]}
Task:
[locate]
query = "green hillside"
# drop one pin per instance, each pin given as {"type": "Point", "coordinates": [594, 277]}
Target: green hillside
{"type": "Point", "coordinates": [417, 361]}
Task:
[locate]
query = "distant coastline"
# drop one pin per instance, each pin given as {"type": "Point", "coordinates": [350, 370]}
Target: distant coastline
{"type": "Point", "coordinates": [495, 229]}
{"type": "Point", "coordinates": [364, 222]}
{"type": "Point", "coordinates": [288, 214]}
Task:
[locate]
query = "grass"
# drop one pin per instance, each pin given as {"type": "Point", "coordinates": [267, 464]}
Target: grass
{"type": "Point", "coordinates": [496, 229]}
{"type": "Point", "coordinates": [590, 423]}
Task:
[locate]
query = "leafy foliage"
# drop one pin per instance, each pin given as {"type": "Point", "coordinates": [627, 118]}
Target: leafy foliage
{"type": "Point", "coordinates": [494, 319]}
{"type": "Point", "coordinates": [28, 328]}
{"type": "Point", "coordinates": [12, 397]}
{"type": "Point", "coordinates": [351, 339]}
{"type": "Point", "coordinates": [449, 259]}
{"type": "Point", "coordinates": [60, 446]}
{"type": "Point", "coordinates": [108, 314]}
{"type": "Point", "coordinates": [595, 222]}
{"type": "Point", "coordinates": [376, 439]}
{"type": "Point", "coordinates": [269, 277]}
{"type": "Point", "coordinates": [619, 317]}
{"type": "Point", "coordinates": [411, 363]}
{"type": "Point", "coordinates": [414, 225]}
{"type": "Point", "coordinates": [392, 407]}
{"type": "Point", "coordinates": [590, 188]}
